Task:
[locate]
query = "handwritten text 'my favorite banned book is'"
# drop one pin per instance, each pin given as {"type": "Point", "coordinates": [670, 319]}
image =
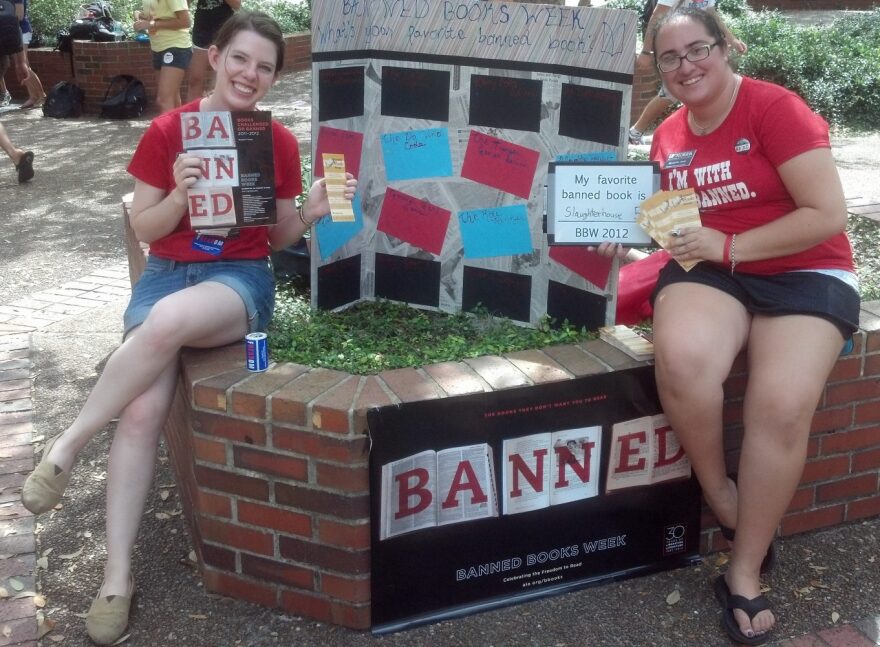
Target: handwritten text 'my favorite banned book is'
{"type": "Point", "coordinates": [237, 184]}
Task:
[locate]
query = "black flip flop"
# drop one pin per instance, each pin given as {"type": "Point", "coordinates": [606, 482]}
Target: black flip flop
{"type": "Point", "coordinates": [769, 561]}
{"type": "Point", "coordinates": [751, 607]}
{"type": "Point", "coordinates": [25, 167]}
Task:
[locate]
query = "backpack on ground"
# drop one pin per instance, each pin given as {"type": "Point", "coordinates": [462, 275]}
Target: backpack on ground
{"type": "Point", "coordinates": [125, 98]}
{"type": "Point", "coordinates": [64, 100]}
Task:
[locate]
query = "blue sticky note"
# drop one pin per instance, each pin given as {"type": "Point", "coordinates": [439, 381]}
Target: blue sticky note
{"type": "Point", "coordinates": [412, 154]}
{"type": "Point", "coordinates": [498, 231]}
{"type": "Point", "coordinates": [333, 235]}
{"type": "Point", "coordinates": [596, 156]}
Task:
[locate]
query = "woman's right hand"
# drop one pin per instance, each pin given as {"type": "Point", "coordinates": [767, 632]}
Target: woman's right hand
{"type": "Point", "coordinates": [609, 250]}
{"type": "Point", "coordinates": [187, 169]}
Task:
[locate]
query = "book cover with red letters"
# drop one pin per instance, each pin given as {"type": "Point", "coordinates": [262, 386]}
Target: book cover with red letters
{"type": "Point", "coordinates": [237, 185]}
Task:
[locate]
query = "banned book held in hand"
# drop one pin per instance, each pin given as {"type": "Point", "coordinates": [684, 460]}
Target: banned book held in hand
{"type": "Point", "coordinates": [237, 185]}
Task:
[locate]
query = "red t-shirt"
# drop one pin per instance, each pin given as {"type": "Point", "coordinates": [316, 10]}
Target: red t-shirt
{"type": "Point", "coordinates": [733, 169]}
{"type": "Point", "coordinates": [153, 161]}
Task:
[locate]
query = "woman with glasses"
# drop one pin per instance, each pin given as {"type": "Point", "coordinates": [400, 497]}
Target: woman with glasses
{"type": "Point", "coordinates": [775, 279]}
{"type": "Point", "coordinates": [657, 106]}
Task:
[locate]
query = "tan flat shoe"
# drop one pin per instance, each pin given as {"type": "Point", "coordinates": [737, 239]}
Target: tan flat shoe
{"type": "Point", "coordinates": [43, 488]}
{"type": "Point", "coordinates": [107, 619]}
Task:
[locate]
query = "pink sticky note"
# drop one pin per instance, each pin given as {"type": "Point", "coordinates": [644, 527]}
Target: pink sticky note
{"type": "Point", "coordinates": [590, 265]}
{"type": "Point", "coordinates": [500, 164]}
{"type": "Point", "coordinates": [415, 221]}
{"type": "Point", "coordinates": [340, 142]}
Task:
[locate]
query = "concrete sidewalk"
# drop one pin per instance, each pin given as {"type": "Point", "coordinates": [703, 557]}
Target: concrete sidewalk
{"type": "Point", "coordinates": [64, 286]}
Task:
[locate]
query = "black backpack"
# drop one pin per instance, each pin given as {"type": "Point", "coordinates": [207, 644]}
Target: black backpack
{"type": "Point", "coordinates": [65, 99]}
{"type": "Point", "coordinates": [10, 32]}
{"type": "Point", "coordinates": [93, 22]}
{"type": "Point", "coordinates": [125, 98]}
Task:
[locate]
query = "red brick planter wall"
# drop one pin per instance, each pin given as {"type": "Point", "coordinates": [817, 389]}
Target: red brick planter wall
{"type": "Point", "coordinates": [272, 467]}
{"type": "Point", "coordinates": [94, 64]}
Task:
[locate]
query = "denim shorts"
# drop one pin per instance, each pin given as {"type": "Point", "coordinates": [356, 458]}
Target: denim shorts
{"type": "Point", "coordinates": [252, 280]}
{"type": "Point", "coordinates": [173, 57]}
{"type": "Point", "coordinates": [789, 293]}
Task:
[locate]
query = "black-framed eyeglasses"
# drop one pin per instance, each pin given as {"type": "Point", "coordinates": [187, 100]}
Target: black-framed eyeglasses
{"type": "Point", "coordinates": [671, 62]}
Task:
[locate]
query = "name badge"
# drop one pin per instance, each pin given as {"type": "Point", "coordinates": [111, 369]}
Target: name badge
{"type": "Point", "coordinates": [208, 244]}
{"type": "Point", "coordinates": [679, 160]}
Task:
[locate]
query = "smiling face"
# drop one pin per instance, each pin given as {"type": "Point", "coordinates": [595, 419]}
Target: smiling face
{"type": "Point", "coordinates": [699, 83]}
{"type": "Point", "coordinates": [246, 69]}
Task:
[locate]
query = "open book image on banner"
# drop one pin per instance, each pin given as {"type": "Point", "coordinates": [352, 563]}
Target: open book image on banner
{"type": "Point", "coordinates": [434, 488]}
{"type": "Point", "coordinates": [547, 469]}
{"type": "Point", "coordinates": [645, 451]}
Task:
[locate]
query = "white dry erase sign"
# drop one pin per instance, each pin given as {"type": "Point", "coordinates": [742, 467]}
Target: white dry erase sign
{"type": "Point", "coordinates": [595, 202]}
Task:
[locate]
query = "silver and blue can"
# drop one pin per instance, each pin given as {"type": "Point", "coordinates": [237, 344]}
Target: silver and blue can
{"type": "Point", "coordinates": [257, 351]}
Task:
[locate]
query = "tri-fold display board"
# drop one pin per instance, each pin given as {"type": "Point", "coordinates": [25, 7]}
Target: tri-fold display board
{"type": "Point", "coordinates": [450, 114]}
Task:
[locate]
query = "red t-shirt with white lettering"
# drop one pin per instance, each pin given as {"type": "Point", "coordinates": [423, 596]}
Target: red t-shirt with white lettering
{"type": "Point", "coordinates": [733, 169]}
{"type": "Point", "coordinates": [153, 163]}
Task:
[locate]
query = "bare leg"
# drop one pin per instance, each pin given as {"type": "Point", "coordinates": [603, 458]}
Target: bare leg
{"type": "Point", "coordinates": [652, 113]}
{"type": "Point", "coordinates": [6, 144]}
{"type": "Point", "coordinates": [790, 358]}
{"type": "Point", "coordinates": [130, 474]}
{"type": "Point", "coordinates": [36, 94]}
{"type": "Point", "coordinates": [168, 94]}
{"type": "Point", "coordinates": [692, 362]}
{"type": "Point", "coordinates": [198, 73]}
{"type": "Point", "coordinates": [205, 315]}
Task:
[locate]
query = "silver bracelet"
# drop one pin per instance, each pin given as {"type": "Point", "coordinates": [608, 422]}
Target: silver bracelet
{"type": "Point", "coordinates": [299, 210]}
{"type": "Point", "coordinates": [732, 253]}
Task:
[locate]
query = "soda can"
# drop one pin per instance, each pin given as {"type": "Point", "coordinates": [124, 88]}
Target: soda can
{"type": "Point", "coordinates": [257, 351]}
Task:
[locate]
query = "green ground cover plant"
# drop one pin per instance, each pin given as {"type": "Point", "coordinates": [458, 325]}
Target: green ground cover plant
{"type": "Point", "coordinates": [371, 337]}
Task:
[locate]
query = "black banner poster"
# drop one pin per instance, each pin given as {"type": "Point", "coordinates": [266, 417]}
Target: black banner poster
{"type": "Point", "coordinates": [462, 520]}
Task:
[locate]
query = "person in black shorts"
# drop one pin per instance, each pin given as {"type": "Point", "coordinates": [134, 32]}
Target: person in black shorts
{"type": "Point", "coordinates": [209, 18]}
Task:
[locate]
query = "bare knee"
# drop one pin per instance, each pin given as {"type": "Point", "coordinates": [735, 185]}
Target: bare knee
{"type": "Point", "coordinates": [142, 421]}
{"type": "Point", "coordinates": [686, 366]}
{"type": "Point", "coordinates": [783, 419]}
{"type": "Point", "coordinates": [161, 331]}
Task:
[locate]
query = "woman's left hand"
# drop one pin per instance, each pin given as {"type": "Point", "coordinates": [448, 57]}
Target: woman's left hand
{"type": "Point", "coordinates": [698, 244]}
{"type": "Point", "coordinates": [318, 203]}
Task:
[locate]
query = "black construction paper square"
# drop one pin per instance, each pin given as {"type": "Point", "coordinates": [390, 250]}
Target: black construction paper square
{"type": "Point", "coordinates": [501, 293]}
{"type": "Point", "coordinates": [579, 307]}
{"type": "Point", "coordinates": [415, 93]}
{"type": "Point", "coordinates": [409, 280]}
{"type": "Point", "coordinates": [505, 102]}
{"type": "Point", "coordinates": [340, 93]}
{"type": "Point", "coordinates": [339, 283]}
{"type": "Point", "coordinates": [590, 113]}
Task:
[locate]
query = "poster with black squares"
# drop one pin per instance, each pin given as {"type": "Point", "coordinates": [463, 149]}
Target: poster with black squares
{"type": "Point", "coordinates": [449, 113]}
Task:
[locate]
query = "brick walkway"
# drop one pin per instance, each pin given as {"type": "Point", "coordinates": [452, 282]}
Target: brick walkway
{"type": "Point", "coordinates": [18, 611]}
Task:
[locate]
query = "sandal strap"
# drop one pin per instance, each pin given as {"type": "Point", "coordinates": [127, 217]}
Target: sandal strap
{"type": "Point", "coordinates": [751, 607]}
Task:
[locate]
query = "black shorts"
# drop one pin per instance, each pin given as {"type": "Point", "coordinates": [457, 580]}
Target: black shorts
{"type": "Point", "coordinates": [208, 22]}
{"type": "Point", "coordinates": [789, 293]}
{"type": "Point", "coordinates": [178, 57]}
